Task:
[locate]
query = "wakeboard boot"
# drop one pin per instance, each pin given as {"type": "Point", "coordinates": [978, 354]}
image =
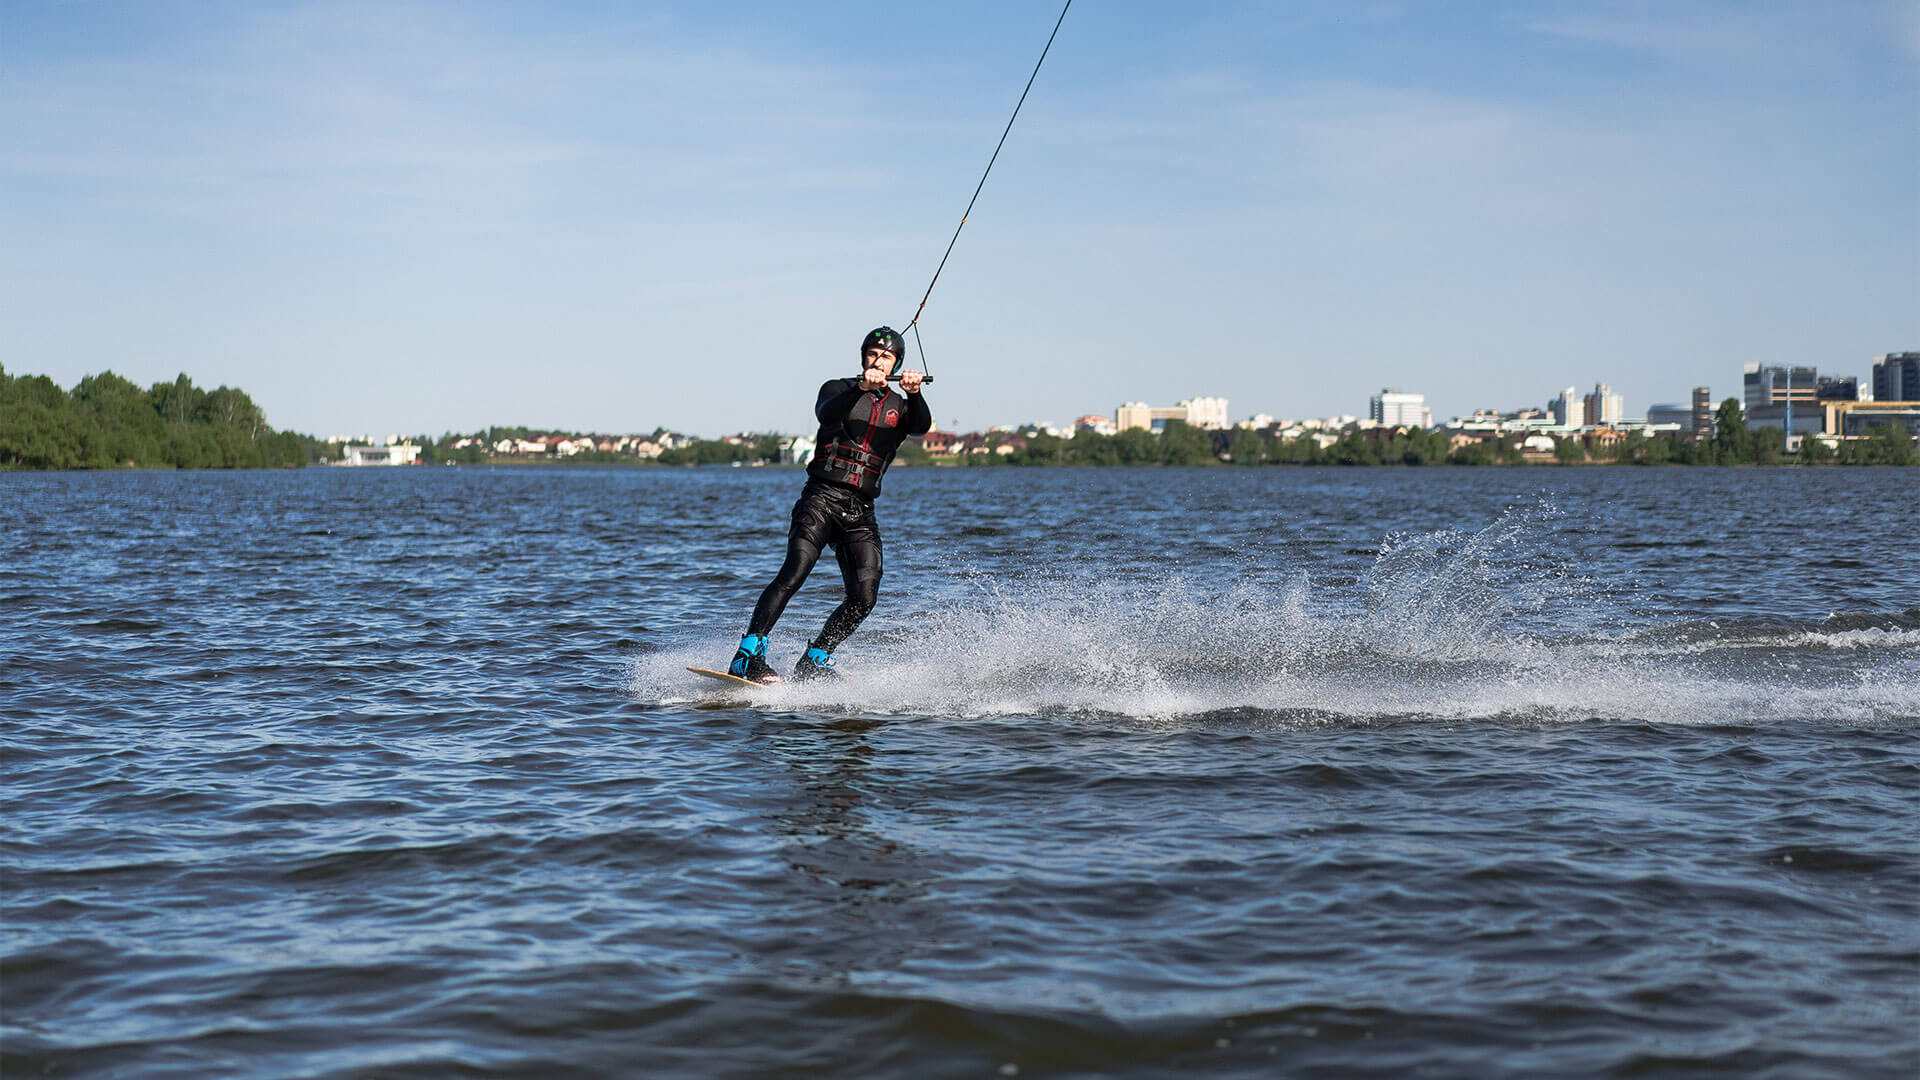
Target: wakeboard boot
{"type": "Point", "coordinates": [817, 663]}
{"type": "Point", "coordinates": [750, 662]}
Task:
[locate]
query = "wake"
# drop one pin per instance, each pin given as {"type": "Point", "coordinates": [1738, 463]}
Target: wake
{"type": "Point", "coordinates": [1446, 626]}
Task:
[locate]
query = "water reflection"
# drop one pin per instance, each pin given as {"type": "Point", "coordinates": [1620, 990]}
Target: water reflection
{"type": "Point", "coordinates": [854, 887]}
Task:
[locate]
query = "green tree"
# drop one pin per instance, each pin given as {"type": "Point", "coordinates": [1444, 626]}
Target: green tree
{"type": "Point", "coordinates": [107, 421]}
{"type": "Point", "coordinates": [1697, 452]}
{"type": "Point", "coordinates": [130, 431]}
{"type": "Point", "coordinates": [1136, 446]}
{"type": "Point", "coordinates": [38, 429]}
{"type": "Point", "coordinates": [1354, 448]}
{"type": "Point", "coordinates": [1041, 449]}
{"type": "Point", "coordinates": [1627, 449]}
{"type": "Point", "coordinates": [179, 401]}
{"type": "Point", "coordinates": [1183, 444]}
{"type": "Point", "coordinates": [1299, 450]}
{"type": "Point", "coordinates": [1246, 447]}
{"type": "Point", "coordinates": [1092, 448]}
{"type": "Point", "coordinates": [1421, 447]}
{"type": "Point", "coordinates": [232, 408]}
{"type": "Point", "coordinates": [1887, 443]}
{"type": "Point", "coordinates": [912, 452]}
{"type": "Point", "coordinates": [1731, 442]}
{"type": "Point", "coordinates": [1898, 443]}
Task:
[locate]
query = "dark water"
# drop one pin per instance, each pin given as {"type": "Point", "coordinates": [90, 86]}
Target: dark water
{"type": "Point", "coordinates": [1598, 772]}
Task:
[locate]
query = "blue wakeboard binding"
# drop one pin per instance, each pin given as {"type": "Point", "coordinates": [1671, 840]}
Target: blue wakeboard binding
{"type": "Point", "coordinates": [750, 662]}
{"type": "Point", "coordinates": [816, 664]}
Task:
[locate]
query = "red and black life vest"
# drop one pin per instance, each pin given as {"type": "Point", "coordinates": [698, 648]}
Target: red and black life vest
{"type": "Point", "coordinates": [860, 431]}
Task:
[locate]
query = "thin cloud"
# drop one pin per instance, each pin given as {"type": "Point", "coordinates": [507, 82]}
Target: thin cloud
{"type": "Point", "coordinates": [1763, 41]}
{"type": "Point", "coordinates": [420, 105]}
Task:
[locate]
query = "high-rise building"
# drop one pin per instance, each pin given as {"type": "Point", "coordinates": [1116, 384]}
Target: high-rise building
{"type": "Point", "coordinates": [1566, 409]}
{"type": "Point", "coordinates": [1603, 407]}
{"type": "Point", "coordinates": [1896, 376]}
{"type": "Point", "coordinates": [1768, 385]}
{"type": "Point", "coordinates": [1397, 408]}
{"type": "Point", "coordinates": [1702, 413]}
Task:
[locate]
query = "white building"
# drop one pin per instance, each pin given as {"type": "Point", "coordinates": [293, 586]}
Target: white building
{"type": "Point", "coordinates": [798, 450]}
{"type": "Point", "coordinates": [393, 454]}
{"type": "Point", "coordinates": [1396, 408]}
{"type": "Point", "coordinates": [1568, 411]}
{"type": "Point", "coordinates": [1200, 412]}
{"type": "Point", "coordinates": [1206, 412]}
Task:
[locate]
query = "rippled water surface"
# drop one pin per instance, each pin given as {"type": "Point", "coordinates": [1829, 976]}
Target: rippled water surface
{"type": "Point", "coordinates": [398, 773]}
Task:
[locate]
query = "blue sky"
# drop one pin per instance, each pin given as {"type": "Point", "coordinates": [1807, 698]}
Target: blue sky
{"type": "Point", "coordinates": [427, 216]}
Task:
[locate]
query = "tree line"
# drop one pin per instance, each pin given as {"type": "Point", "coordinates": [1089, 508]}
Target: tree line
{"type": "Point", "coordinates": [1733, 443]}
{"type": "Point", "coordinates": [108, 422]}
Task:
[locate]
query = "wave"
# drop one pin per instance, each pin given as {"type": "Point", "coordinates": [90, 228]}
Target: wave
{"type": "Point", "coordinates": [1447, 625]}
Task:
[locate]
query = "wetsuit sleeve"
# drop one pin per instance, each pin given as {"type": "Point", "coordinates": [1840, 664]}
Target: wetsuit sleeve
{"type": "Point", "coordinates": [919, 416]}
{"type": "Point", "coordinates": [836, 397]}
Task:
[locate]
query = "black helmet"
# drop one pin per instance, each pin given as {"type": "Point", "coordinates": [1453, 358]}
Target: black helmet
{"type": "Point", "coordinates": [885, 337]}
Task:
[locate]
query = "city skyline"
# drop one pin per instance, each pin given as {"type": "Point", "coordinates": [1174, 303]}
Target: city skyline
{"type": "Point", "coordinates": [454, 216]}
{"type": "Point", "coordinates": [1389, 406]}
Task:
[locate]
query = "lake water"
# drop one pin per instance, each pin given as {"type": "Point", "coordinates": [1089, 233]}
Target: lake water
{"type": "Point", "coordinates": [1235, 772]}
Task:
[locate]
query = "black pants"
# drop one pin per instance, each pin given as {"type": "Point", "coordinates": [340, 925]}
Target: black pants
{"type": "Point", "coordinates": [827, 514]}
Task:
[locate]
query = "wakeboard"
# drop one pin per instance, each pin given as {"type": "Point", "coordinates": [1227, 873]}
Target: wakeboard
{"type": "Point", "coordinates": [726, 678]}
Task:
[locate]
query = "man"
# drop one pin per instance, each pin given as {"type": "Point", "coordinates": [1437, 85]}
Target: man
{"type": "Point", "coordinates": [862, 423]}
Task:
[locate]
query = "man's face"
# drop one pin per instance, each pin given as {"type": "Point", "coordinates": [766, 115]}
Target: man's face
{"type": "Point", "coordinates": [878, 357]}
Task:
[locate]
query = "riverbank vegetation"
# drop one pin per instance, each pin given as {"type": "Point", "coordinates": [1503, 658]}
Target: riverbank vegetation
{"type": "Point", "coordinates": [108, 422]}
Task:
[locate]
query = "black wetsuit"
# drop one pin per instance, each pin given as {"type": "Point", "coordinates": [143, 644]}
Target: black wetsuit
{"type": "Point", "coordinates": [860, 431]}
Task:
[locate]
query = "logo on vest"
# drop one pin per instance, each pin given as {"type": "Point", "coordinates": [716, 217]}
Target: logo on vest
{"type": "Point", "coordinates": [893, 417]}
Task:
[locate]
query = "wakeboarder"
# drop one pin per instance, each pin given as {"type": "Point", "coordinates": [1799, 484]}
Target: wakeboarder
{"type": "Point", "coordinates": [862, 423]}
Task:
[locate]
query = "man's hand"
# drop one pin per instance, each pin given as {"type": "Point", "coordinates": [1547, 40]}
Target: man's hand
{"type": "Point", "coordinates": [873, 378]}
{"type": "Point", "coordinates": [910, 381]}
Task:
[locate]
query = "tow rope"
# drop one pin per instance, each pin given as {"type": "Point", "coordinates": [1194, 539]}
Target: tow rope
{"type": "Point", "coordinates": [913, 324]}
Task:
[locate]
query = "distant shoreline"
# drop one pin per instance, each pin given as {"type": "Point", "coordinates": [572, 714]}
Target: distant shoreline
{"type": "Point", "coordinates": [1008, 466]}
